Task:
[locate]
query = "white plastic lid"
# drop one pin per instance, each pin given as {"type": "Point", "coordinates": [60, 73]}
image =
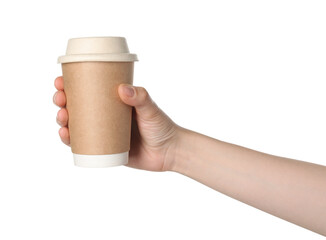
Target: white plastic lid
{"type": "Point", "coordinates": [103, 49]}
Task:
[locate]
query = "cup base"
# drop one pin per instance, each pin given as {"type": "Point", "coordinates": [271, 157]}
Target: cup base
{"type": "Point", "coordinates": [101, 161]}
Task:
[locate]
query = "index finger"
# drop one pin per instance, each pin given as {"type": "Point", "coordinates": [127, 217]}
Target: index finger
{"type": "Point", "coordinates": [58, 83]}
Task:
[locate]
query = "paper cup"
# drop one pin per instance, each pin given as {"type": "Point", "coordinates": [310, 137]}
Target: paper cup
{"type": "Point", "coordinates": [99, 122]}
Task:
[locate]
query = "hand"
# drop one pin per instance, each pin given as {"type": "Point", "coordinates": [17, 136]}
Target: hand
{"type": "Point", "coordinates": [153, 135]}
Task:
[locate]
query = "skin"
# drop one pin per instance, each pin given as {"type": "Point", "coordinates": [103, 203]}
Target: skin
{"type": "Point", "coordinates": [289, 189]}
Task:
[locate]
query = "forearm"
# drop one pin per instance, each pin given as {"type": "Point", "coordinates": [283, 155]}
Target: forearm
{"type": "Point", "coordinates": [289, 189]}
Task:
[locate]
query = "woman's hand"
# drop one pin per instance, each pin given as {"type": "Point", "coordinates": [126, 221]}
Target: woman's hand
{"type": "Point", "coordinates": [154, 134]}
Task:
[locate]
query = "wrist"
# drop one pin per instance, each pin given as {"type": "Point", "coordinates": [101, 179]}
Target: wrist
{"type": "Point", "coordinates": [173, 151]}
{"type": "Point", "coordinates": [183, 148]}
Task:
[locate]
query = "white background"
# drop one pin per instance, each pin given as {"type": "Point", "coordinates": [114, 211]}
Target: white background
{"type": "Point", "coordinates": [246, 72]}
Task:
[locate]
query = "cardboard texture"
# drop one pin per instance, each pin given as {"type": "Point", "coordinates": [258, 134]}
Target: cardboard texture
{"type": "Point", "coordinates": [99, 122]}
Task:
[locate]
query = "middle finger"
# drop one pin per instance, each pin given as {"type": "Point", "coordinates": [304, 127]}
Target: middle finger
{"type": "Point", "coordinates": [62, 117]}
{"type": "Point", "coordinates": [59, 99]}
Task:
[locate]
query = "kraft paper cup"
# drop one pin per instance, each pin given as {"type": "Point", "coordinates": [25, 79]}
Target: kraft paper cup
{"type": "Point", "coordinates": [99, 122]}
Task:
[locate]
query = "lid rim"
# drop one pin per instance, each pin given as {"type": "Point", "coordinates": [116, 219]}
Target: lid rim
{"type": "Point", "coordinates": [102, 57]}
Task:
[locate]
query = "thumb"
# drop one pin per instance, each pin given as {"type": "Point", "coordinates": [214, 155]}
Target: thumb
{"type": "Point", "coordinates": [139, 98]}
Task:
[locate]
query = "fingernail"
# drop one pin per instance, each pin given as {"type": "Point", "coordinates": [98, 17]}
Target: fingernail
{"type": "Point", "coordinates": [58, 122]}
{"type": "Point", "coordinates": [57, 119]}
{"type": "Point", "coordinates": [54, 97]}
{"type": "Point", "coordinates": [129, 91]}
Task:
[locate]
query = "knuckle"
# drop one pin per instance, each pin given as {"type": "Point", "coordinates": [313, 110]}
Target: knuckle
{"type": "Point", "coordinates": [143, 94]}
